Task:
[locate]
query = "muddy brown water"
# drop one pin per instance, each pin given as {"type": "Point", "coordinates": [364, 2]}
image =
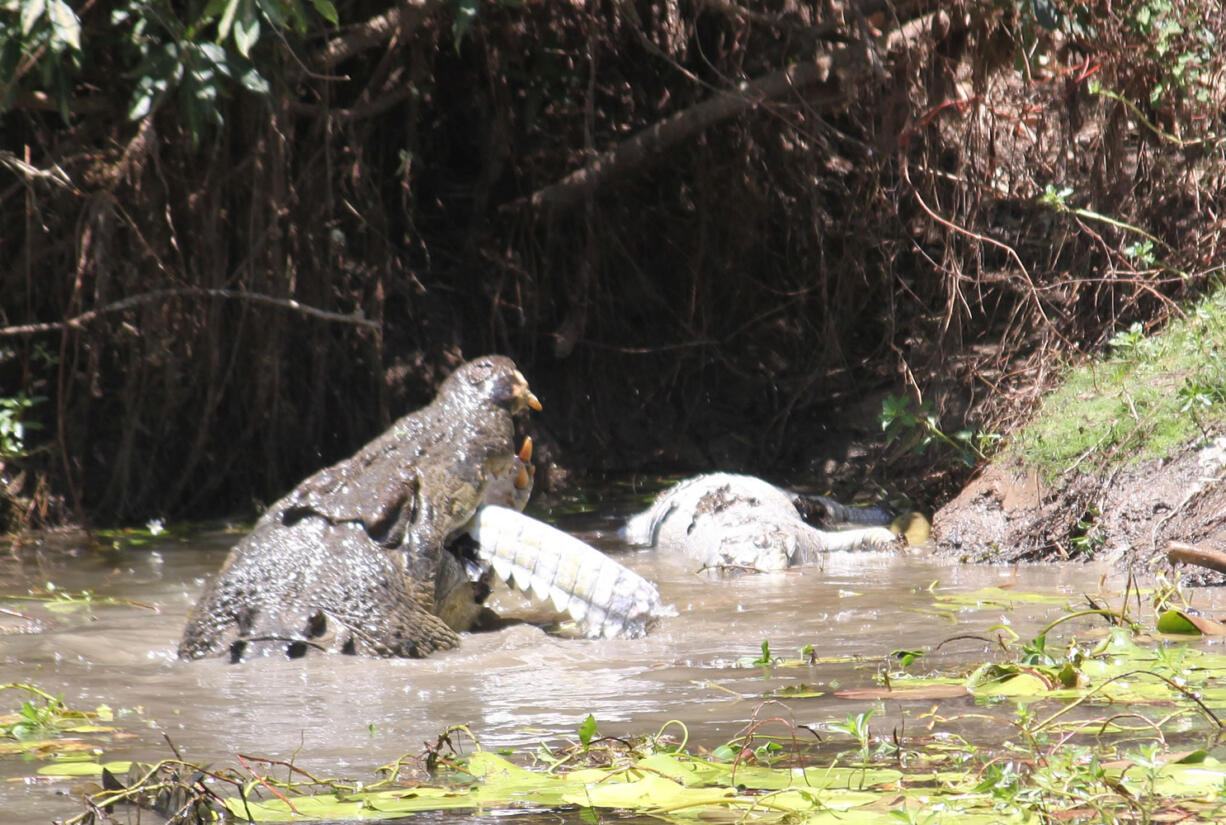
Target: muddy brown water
{"type": "Point", "coordinates": [345, 716]}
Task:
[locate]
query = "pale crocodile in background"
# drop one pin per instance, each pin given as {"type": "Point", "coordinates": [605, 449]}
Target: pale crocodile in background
{"type": "Point", "coordinates": [728, 522]}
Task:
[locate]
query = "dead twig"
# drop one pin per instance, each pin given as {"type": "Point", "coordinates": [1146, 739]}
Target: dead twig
{"type": "Point", "coordinates": [78, 321]}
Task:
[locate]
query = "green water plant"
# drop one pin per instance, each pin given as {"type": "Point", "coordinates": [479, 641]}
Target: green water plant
{"type": "Point", "coordinates": [42, 725]}
{"type": "Point", "coordinates": [56, 600]}
{"type": "Point", "coordinates": [588, 731]}
{"type": "Point", "coordinates": [1035, 776]}
{"type": "Point", "coordinates": [915, 427]}
{"type": "Point", "coordinates": [38, 715]}
{"type": "Point", "coordinates": [856, 726]}
{"type": "Point", "coordinates": [1099, 716]}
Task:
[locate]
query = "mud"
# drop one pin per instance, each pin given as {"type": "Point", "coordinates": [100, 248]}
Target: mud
{"type": "Point", "coordinates": [1009, 513]}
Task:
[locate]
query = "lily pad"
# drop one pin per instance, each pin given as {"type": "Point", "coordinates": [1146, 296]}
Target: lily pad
{"type": "Point", "coordinates": [927, 689]}
{"type": "Point", "coordinates": [1184, 623]}
{"type": "Point", "coordinates": [1000, 680]}
{"type": "Point", "coordinates": [999, 597]}
{"type": "Point", "coordinates": [72, 768]}
{"type": "Point", "coordinates": [46, 747]}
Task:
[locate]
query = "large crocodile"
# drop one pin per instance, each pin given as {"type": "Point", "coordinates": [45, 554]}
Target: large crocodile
{"type": "Point", "coordinates": [388, 552]}
{"type": "Point", "coordinates": [730, 523]}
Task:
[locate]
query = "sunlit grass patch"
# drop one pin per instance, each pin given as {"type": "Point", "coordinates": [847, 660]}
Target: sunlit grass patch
{"type": "Point", "coordinates": [1146, 398]}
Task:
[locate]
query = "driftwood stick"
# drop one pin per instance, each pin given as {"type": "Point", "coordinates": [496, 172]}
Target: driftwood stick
{"type": "Point", "coordinates": [1177, 551]}
{"type": "Point", "coordinates": [194, 292]}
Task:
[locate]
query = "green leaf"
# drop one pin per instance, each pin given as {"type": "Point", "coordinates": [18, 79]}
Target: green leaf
{"type": "Point", "coordinates": [227, 19]}
{"type": "Point", "coordinates": [31, 10]}
{"type": "Point", "coordinates": [587, 730]}
{"type": "Point", "coordinates": [326, 10]}
{"type": "Point", "coordinates": [465, 17]}
{"type": "Point", "coordinates": [246, 28]}
{"type": "Point", "coordinates": [1172, 621]}
{"type": "Point", "coordinates": [253, 81]}
{"type": "Point", "coordinates": [1177, 621]}
{"type": "Point", "coordinates": [246, 35]}
{"type": "Point", "coordinates": [999, 597]}
{"type": "Point", "coordinates": [83, 768]}
{"type": "Point", "coordinates": [142, 103]}
{"type": "Point", "coordinates": [1195, 757]}
{"type": "Point", "coordinates": [649, 791]}
{"type": "Point", "coordinates": [45, 747]}
{"type": "Point", "coordinates": [275, 11]}
{"type": "Point", "coordinates": [1006, 680]}
{"type": "Point", "coordinates": [64, 22]}
{"type": "Point", "coordinates": [906, 657]}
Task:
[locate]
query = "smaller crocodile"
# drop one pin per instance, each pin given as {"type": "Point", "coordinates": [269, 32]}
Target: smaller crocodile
{"type": "Point", "coordinates": [731, 523]}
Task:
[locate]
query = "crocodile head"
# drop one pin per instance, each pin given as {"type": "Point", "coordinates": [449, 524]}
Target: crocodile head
{"type": "Point", "coordinates": [489, 380]}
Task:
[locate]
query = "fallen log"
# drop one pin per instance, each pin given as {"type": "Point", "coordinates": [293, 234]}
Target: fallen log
{"type": "Point", "coordinates": [651, 141]}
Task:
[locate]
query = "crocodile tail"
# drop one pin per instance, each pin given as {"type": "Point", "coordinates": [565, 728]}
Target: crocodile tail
{"type": "Point", "coordinates": [603, 597]}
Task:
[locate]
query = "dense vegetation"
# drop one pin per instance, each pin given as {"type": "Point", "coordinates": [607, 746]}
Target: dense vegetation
{"type": "Point", "coordinates": [711, 233]}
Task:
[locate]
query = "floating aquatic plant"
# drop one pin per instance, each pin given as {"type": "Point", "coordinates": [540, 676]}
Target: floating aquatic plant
{"type": "Point", "coordinates": [1116, 722]}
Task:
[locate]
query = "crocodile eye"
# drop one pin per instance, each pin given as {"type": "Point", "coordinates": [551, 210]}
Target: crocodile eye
{"type": "Point", "coordinates": [502, 388]}
{"type": "Point", "coordinates": [482, 367]}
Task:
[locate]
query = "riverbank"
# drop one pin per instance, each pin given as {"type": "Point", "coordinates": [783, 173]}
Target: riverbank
{"type": "Point", "coordinates": [1124, 457]}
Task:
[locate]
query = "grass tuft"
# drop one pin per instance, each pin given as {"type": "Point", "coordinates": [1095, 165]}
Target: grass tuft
{"type": "Point", "coordinates": [1149, 396]}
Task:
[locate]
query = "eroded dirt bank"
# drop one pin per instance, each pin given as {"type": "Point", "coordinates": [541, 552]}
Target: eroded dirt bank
{"type": "Point", "coordinates": [1008, 513]}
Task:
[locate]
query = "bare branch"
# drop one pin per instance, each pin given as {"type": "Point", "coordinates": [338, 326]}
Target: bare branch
{"type": "Point", "coordinates": [638, 150]}
{"type": "Point", "coordinates": [361, 111]}
{"type": "Point", "coordinates": [649, 142]}
{"type": "Point", "coordinates": [31, 173]}
{"type": "Point", "coordinates": [196, 292]}
{"type": "Point", "coordinates": [374, 32]}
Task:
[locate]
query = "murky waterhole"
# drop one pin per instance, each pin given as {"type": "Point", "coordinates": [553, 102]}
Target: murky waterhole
{"type": "Point", "coordinates": [338, 715]}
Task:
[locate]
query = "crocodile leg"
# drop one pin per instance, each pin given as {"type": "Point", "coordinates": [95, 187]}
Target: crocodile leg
{"type": "Point", "coordinates": [603, 597]}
